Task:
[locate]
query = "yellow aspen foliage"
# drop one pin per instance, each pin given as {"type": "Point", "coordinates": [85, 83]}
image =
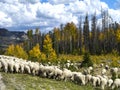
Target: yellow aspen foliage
{"type": "Point", "coordinates": [16, 51]}
{"type": "Point", "coordinates": [57, 34]}
{"type": "Point", "coordinates": [43, 57]}
{"type": "Point", "coordinates": [115, 63]}
{"type": "Point", "coordinates": [10, 50]}
{"type": "Point", "coordinates": [52, 55]}
{"type": "Point", "coordinates": [48, 49]}
{"type": "Point", "coordinates": [101, 37]}
{"type": "Point", "coordinates": [20, 52]}
{"type": "Point", "coordinates": [118, 35]}
{"type": "Point", "coordinates": [35, 54]}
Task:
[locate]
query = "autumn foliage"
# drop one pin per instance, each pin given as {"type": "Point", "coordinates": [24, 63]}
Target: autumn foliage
{"type": "Point", "coordinates": [35, 54]}
{"type": "Point", "coordinates": [48, 49]}
{"type": "Point", "coordinates": [17, 51]}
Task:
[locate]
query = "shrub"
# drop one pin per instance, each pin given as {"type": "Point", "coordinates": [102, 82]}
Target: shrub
{"type": "Point", "coordinates": [114, 76]}
{"type": "Point", "coordinates": [86, 60]}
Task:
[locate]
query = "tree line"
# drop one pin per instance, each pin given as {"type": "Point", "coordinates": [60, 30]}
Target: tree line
{"type": "Point", "coordinates": [95, 37]}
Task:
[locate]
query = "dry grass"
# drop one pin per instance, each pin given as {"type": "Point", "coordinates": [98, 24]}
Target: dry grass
{"type": "Point", "coordinates": [97, 59]}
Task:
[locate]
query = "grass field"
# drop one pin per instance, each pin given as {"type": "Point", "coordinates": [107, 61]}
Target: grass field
{"type": "Point", "coordinates": [28, 82]}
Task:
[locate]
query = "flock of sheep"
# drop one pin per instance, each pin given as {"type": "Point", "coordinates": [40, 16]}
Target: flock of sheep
{"type": "Point", "coordinates": [16, 65]}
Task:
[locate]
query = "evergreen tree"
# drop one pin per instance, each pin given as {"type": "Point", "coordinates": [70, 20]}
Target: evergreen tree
{"type": "Point", "coordinates": [86, 60]}
{"type": "Point", "coordinates": [93, 43]}
{"type": "Point", "coordinates": [30, 39]}
{"type": "Point", "coordinates": [86, 33]}
{"type": "Point", "coordinates": [80, 41]}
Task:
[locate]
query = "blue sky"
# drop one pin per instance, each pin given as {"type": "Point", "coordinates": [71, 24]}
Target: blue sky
{"type": "Point", "coordinates": [111, 3]}
{"type": "Point", "coordinates": [47, 14]}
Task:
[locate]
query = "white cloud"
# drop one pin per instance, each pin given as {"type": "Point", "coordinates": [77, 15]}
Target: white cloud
{"type": "Point", "coordinates": [61, 1]}
{"type": "Point", "coordinates": [5, 20]}
{"type": "Point", "coordinates": [20, 1]}
{"type": "Point", "coordinates": [29, 1]}
{"type": "Point", "coordinates": [32, 13]}
{"type": "Point", "coordinates": [115, 14]}
{"type": "Point", "coordinates": [9, 1]}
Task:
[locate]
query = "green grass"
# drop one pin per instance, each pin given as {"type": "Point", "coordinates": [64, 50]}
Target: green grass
{"type": "Point", "coordinates": [28, 82]}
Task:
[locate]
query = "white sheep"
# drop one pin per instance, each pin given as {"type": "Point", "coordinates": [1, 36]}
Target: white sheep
{"type": "Point", "coordinates": [16, 67]}
{"type": "Point", "coordinates": [116, 83]}
{"type": "Point", "coordinates": [89, 70]}
{"type": "Point", "coordinates": [114, 70]}
{"type": "Point", "coordinates": [22, 68]}
{"type": "Point", "coordinates": [49, 71]}
{"type": "Point", "coordinates": [0, 65]}
{"type": "Point", "coordinates": [78, 78]}
{"type": "Point", "coordinates": [35, 69]}
{"type": "Point", "coordinates": [103, 72]}
{"type": "Point", "coordinates": [73, 74]}
{"type": "Point", "coordinates": [66, 74]}
{"type": "Point", "coordinates": [27, 69]}
{"type": "Point", "coordinates": [95, 81]}
{"type": "Point", "coordinates": [103, 83]}
{"type": "Point", "coordinates": [88, 78]}
{"type": "Point", "coordinates": [101, 65]}
{"type": "Point", "coordinates": [11, 65]}
{"type": "Point", "coordinates": [68, 64]}
{"type": "Point", "coordinates": [106, 67]}
{"type": "Point", "coordinates": [110, 82]}
{"type": "Point", "coordinates": [42, 70]}
{"type": "Point", "coordinates": [57, 73]}
{"type": "Point", "coordinates": [4, 65]}
{"type": "Point", "coordinates": [53, 72]}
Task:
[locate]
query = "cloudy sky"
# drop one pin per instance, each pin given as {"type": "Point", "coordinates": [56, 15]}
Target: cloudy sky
{"type": "Point", "coordinates": [46, 14]}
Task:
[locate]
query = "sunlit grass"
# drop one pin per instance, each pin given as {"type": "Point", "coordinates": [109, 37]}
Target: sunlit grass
{"type": "Point", "coordinates": [28, 82]}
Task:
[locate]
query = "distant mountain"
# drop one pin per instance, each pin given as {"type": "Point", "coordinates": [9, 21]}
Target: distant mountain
{"type": "Point", "coordinates": [11, 37]}
{"type": "Point", "coordinates": [4, 32]}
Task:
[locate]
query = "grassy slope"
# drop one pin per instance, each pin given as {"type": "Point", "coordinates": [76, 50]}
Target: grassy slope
{"type": "Point", "coordinates": [28, 82]}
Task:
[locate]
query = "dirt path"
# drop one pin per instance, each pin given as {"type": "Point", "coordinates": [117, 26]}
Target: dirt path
{"type": "Point", "coordinates": [2, 85]}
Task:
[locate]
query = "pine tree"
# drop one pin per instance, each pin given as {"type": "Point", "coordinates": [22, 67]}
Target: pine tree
{"type": "Point", "coordinates": [86, 33]}
{"type": "Point", "coordinates": [80, 41]}
{"type": "Point", "coordinates": [86, 60]}
{"type": "Point", "coordinates": [93, 42]}
{"type": "Point", "coordinates": [30, 39]}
